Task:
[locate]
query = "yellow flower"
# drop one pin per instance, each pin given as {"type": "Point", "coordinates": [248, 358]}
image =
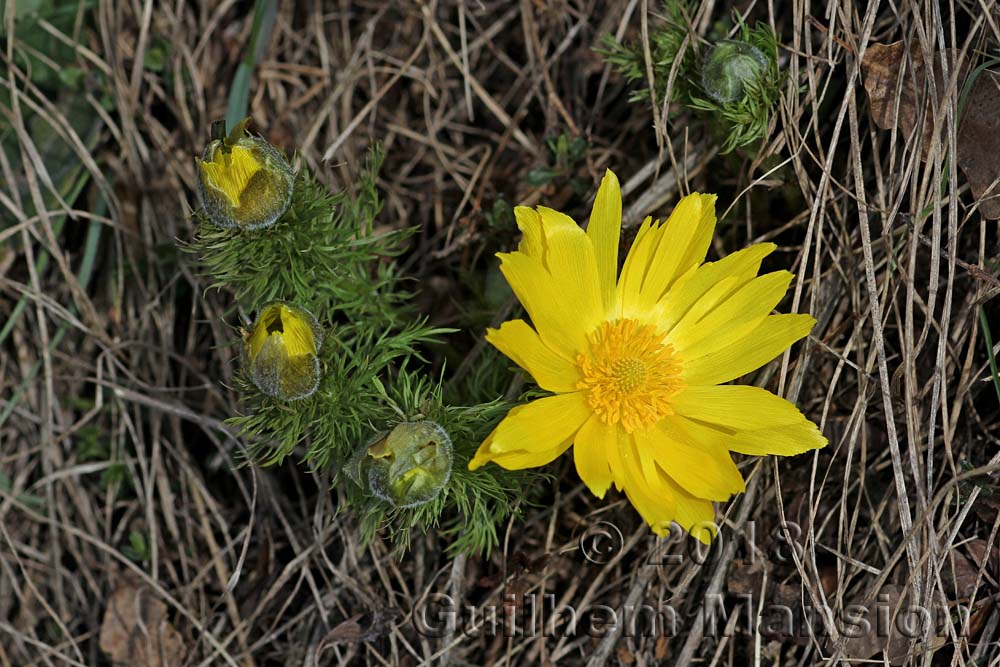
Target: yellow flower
{"type": "Point", "coordinates": [281, 351]}
{"type": "Point", "coordinates": [637, 362]}
{"type": "Point", "coordinates": [244, 181]}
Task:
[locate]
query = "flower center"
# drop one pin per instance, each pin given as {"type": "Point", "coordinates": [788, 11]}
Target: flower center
{"type": "Point", "coordinates": [629, 374]}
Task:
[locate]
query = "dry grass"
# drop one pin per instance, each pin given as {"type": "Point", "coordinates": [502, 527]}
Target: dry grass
{"type": "Point", "coordinates": [132, 356]}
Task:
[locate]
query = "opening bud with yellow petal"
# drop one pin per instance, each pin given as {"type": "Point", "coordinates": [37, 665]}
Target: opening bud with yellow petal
{"type": "Point", "coordinates": [282, 351]}
{"type": "Point", "coordinates": [406, 466]}
{"type": "Point", "coordinates": [730, 68]}
{"type": "Point", "coordinates": [244, 182]}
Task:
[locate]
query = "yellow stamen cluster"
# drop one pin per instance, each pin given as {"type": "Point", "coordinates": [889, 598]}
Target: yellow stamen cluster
{"type": "Point", "coordinates": [629, 374]}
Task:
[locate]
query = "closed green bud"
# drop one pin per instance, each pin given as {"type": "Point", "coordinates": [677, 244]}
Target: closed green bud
{"type": "Point", "coordinates": [407, 466]}
{"type": "Point", "coordinates": [244, 182]}
{"type": "Point", "coordinates": [729, 68]}
{"type": "Point", "coordinates": [282, 351]}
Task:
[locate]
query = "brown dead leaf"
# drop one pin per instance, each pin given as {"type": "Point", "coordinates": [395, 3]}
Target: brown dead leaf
{"type": "Point", "coordinates": [882, 66]}
{"type": "Point", "coordinates": [978, 617]}
{"type": "Point", "coordinates": [782, 613]}
{"type": "Point", "coordinates": [898, 104]}
{"type": "Point", "coordinates": [988, 506]}
{"type": "Point", "coordinates": [881, 76]}
{"type": "Point", "coordinates": [872, 638]}
{"type": "Point", "coordinates": [361, 628]}
{"type": "Point", "coordinates": [345, 632]}
{"type": "Point", "coordinates": [980, 552]}
{"type": "Point", "coordinates": [662, 651]}
{"type": "Point", "coordinates": [625, 656]}
{"type": "Point", "coordinates": [135, 630]}
{"type": "Point", "coordinates": [963, 578]}
{"type": "Point", "coordinates": [979, 143]}
{"type": "Point", "coordinates": [490, 580]}
{"type": "Point", "coordinates": [828, 578]}
{"type": "Point", "coordinates": [744, 578]}
{"type": "Point", "coordinates": [886, 627]}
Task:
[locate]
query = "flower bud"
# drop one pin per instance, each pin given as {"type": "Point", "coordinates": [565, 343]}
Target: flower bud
{"type": "Point", "coordinates": [281, 352]}
{"type": "Point", "coordinates": [729, 68]}
{"type": "Point", "coordinates": [407, 466]}
{"type": "Point", "coordinates": [244, 182]}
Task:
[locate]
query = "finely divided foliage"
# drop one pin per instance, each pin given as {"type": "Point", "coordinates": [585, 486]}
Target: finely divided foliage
{"type": "Point", "coordinates": [324, 255]}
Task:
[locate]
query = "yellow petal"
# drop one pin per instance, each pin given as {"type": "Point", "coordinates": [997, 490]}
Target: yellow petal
{"type": "Point", "coordinates": [750, 303]}
{"type": "Point", "coordinates": [781, 441]}
{"type": "Point", "coordinates": [647, 461]}
{"type": "Point", "coordinates": [659, 499]}
{"type": "Point", "coordinates": [590, 454]}
{"type": "Point", "coordinates": [530, 224]}
{"type": "Point", "coordinates": [261, 331]}
{"type": "Point", "coordinates": [554, 313]}
{"type": "Point", "coordinates": [563, 300]}
{"type": "Point", "coordinates": [534, 434]}
{"type": "Point", "coordinates": [230, 172]}
{"type": "Point", "coordinates": [708, 301]}
{"type": "Point", "coordinates": [524, 347]}
{"type": "Point", "coordinates": [290, 326]}
{"type": "Point", "coordinates": [737, 407]}
{"type": "Point", "coordinates": [695, 515]}
{"type": "Point", "coordinates": [634, 270]}
{"type": "Point", "coordinates": [554, 221]}
{"type": "Point", "coordinates": [573, 267]}
{"type": "Point", "coordinates": [298, 333]}
{"type": "Point", "coordinates": [774, 335]}
{"type": "Point", "coordinates": [483, 455]}
{"type": "Point", "coordinates": [701, 239]}
{"type": "Point", "coordinates": [652, 498]}
{"type": "Point", "coordinates": [726, 336]}
{"type": "Point", "coordinates": [616, 455]}
{"type": "Point", "coordinates": [741, 265]}
{"type": "Point", "coordinates": [658, 512]}
{"type": "Point", "coordinates": [683, 243]}
{"type": "Point", "coordinates": [604, 231]}
{"type": "Point", "coordinates": [521, 460]}
{"type": "Point", "coordinates": [760, 422]}
{"type": "Point", "coordinates": [702, 465]}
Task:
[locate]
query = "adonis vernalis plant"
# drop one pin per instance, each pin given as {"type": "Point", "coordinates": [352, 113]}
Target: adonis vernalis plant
{"type": "Point", "coordinates": [637, 362]}
{"type": "Point", "coordinates": [333, 368]}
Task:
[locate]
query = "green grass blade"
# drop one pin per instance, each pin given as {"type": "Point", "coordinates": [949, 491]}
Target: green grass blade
{"type": "Point", "coordinates": [265, 12]}
{"type": "Point", "coordinates": [984, 323]}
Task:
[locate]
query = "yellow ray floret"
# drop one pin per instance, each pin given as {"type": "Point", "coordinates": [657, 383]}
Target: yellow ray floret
{"type": "Point", "coordinates": [280, 322]}
{"type": "Point", "coordinates": [230, 171]}
{"type": "Point", "coordinates": [281, 351]}
{"type": "Point", "coordinates": [637, 361]}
